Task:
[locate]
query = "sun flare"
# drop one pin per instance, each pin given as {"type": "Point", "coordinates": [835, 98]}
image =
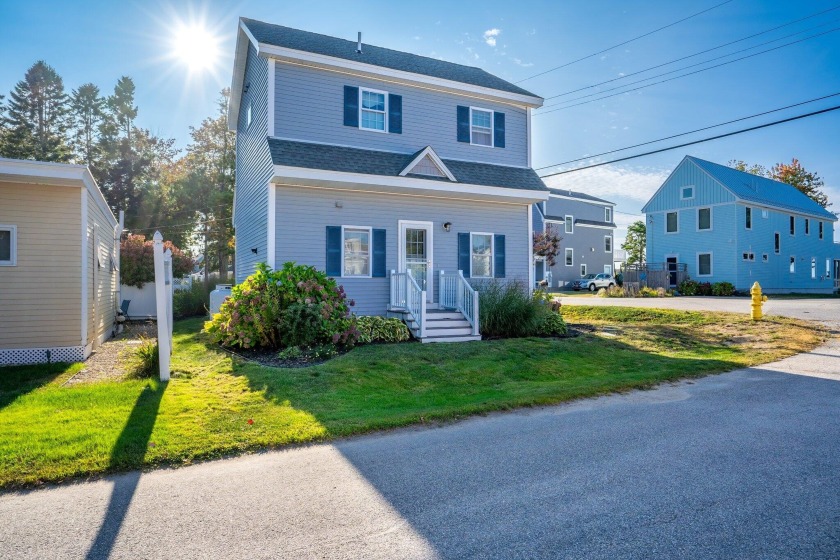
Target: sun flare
{"type": "Point", "coordinates": [196, 48]}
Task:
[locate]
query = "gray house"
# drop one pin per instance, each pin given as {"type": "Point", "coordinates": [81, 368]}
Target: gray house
{"type": "Point", "coordinates": [406, 178]}
{"type": "Point", "coordinates": [585, 224]}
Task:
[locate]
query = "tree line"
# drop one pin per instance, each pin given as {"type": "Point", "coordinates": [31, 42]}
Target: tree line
{"type": "Point", "coordinates": [188, 194]}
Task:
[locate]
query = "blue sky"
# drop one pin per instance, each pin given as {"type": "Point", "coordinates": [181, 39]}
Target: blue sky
{"type": "Point", "coordinates": [100, 41]}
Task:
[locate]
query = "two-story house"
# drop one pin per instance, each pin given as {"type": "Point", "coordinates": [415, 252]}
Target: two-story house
{"type": "Point", "coordinates": [586, 227]}
{"type": "Point", "coordinates": [731, 226]}
{"type": "Point", "coordinates": [406, 178]}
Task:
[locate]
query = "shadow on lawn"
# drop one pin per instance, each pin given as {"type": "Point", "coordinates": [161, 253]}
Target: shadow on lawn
{"type": "Point", "coordinates": [128, 452]}
{"type": "Point", "coordinates": [16, 381]}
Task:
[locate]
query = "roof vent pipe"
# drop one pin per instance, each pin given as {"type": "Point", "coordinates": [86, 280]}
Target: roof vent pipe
{"type": "Point", "coordinates": [359, 44]}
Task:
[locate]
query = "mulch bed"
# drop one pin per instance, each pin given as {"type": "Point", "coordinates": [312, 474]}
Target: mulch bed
{"type": "Point", "coordinates": [111, 359]}
{"type": "Point", "coordinates": [267, 357]}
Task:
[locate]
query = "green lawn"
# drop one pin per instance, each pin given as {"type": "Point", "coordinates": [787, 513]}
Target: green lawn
{"type": "Point", "coordinates": [49, 432]}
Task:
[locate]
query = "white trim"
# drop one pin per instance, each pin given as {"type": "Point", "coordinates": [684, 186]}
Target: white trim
{"type": "Point", "coordinates": [569, 224]}
{"type": "Point", "coordinates": [813, 268]}
{"type": "Point", "coordinates": [528, 132]}
{"type": "Point", "coordinates": [711, 222]}
{"type": "Point", "coordinates": [12, 229]}
{"type": "Point", "coordinates": [565, 252]}
{"type": "Point", "coordinates": [610, 271]}
{"type": "Point", "coordinates": [492, 254]}
{"type": "Point", "coordinates": [583, 271]}
{"type": "Point", "coordinates": [748, 225]}
{"type": "Point", "coordinates": [777, 235]}
{"type": "Point", "coordinates": [821, 231]}
{"type": "Point", "coordinates": [430, 260]}
{"type": "Point", "coordinates": [492, 143]}
{"type": "Point", "coordinates": [677, 213]}
{"type": "Point", "coordinates": [530, 241]}
{"type": "Point", "coordinates": [553, 221]}
{"type": "Point", "coordinates": [369, 229]}
{"type": "Point", "coordinates": [711, 264]}
{"type": "Point", "coordinates": [682, 192]}
{"type": "Point", "coordinates": [84, 202]}
{"type": "Point", "coordinates": [384, 113]}
{"type": "Point", "coordinates": [595, 226]}
{"type": "Point", "coordinates": [387, 183]}
{"type": "Point", "coordinates": [807, 226]}
{"type": "Point", "coordinates": [608, 214]}
{"type": "Point", "coordinates": [429, 151]}
{"type": "Point", "coordinates": [765, 257]}
{"type": "Point", "coordinates": [271, 241]}
{"type": "Point", "coordinates": [792, 263]}
{"type": "Point", "coordinates": [271, 97]}
{"type": "Point", "coordinates": [749, 253]}
{"type": "Point", "coordinates": [792, 221]}
{"type": "Point", "coordinates": [553, 194]}
{"type": "Point", "coordinates": [610, 237]}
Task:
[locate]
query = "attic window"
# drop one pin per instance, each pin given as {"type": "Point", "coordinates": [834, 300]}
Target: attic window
{"type": "Point", "coordinates": [687, 193]}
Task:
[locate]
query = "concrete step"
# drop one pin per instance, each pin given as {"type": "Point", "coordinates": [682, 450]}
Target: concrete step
{"type": "Point", "coordinates": [469, 338]}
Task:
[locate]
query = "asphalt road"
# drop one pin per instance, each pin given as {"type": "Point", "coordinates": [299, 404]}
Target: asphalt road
{"type": "Point", "coordinates": [739, 465]}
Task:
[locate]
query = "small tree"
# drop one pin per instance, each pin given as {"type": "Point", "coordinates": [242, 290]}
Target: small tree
{"type": "Point", "coordinates": [137, 261]}
{"type": "Point", "coordinates": [547, 245]}
{"type": "Point", "coordinates": [636, 242]}
{"type": "Point", "coordinates": [807, 182]}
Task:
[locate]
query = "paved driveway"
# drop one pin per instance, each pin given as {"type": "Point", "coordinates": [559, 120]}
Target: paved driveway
{"type": "Point", "coordinates": [739, 465]}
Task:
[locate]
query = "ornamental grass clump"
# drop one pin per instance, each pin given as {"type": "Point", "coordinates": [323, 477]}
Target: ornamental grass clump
{"type": "Point", "coordinates": [296, 306]}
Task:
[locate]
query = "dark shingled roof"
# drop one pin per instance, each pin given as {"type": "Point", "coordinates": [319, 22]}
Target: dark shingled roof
{"type": "Point", "coordinates": [374, 162]}
{"type": "Point", "coordinates": [580, 195]}
{"type": "Point", "coordinates": [580, 221]}
{"type": "Point", "coordinates": [307, 41]}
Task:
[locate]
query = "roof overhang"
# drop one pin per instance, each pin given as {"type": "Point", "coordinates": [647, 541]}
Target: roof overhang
{"type": "Point", "coordinates": [406, 186]}
{"type": "Point", "coordinates": [553, 194]}
{"type": "Point", "coordinates": [54, 174]}
{"type": "Point", "coordinates": [324, 62]}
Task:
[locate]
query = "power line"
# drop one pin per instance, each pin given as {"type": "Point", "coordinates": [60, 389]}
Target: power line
{"type": "Point", "coordinates": [155, 215]}
{"type": "Point", "coordinates": [692, 131]}
{"type": "Point", "coordinates": [681, 75]}
{"type": "Point", "coordinates": [624, 43]}
{"type": "Point", "coordinates": [625, 76]}
{"type": "Point", "coordinates": [179, 225]}
{"type": "Point", "coordinates": [836, 107]}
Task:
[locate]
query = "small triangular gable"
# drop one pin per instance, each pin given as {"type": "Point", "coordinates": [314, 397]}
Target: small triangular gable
{"type": "Point", "coordinates": [428, 163]}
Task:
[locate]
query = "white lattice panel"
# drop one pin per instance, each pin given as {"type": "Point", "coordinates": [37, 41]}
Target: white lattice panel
{"type": "Point", "coordinates": [39, 355]}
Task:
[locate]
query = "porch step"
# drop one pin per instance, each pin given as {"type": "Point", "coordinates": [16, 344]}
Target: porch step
{"type": "Point", "coordinates": [448, 331]}
{"type": "Point", "coordinates": [453, 338]}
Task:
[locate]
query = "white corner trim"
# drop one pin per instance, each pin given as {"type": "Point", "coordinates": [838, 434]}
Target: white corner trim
{"type": "Point", "coordinates": [528, 132]}
{"type": "Point", "coordinates": [429, 151]}
{"type": "Point", "coordinates": [271, 97]}
{"type": "Point", "coordinates": [530, 242]}
{"type": "Point", "coordinates": [271, 248]}
{"type": "Point", "coordinates": [84, 271]}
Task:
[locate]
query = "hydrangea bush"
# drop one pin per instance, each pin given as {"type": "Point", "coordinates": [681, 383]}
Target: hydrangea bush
{"type": "Point", "coordinates": [296, 306]}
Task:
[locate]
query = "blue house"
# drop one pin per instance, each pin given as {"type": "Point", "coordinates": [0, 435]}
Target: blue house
{"type": "Point", "coordinates": [730, 226]}
{"type": "Point", "coordinates": [406, 178]}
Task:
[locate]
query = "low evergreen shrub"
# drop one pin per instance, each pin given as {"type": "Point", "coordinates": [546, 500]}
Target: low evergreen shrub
{"type": "Point", "coordinates": [723, 289]}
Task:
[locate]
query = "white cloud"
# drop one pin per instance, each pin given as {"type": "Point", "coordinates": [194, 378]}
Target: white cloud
{"type": "Point", "coordinates": [490, 36]}
{"type": "Point", "coordinates": [523, 64]}
{"type": "Point", "coordinates": [611, 182]}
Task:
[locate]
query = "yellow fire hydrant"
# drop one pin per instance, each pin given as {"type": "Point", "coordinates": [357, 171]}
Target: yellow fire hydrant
{"type": "Point", "coordinates": [757, 301]}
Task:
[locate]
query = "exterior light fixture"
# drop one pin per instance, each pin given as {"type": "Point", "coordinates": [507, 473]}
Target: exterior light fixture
{"type": "Point", "coordinates": [254, 250]}
{"type": "Point", "coordinates": [447, 226]}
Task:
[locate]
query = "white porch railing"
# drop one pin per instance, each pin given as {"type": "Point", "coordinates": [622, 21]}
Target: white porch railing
{"type": "Point", "coordinates": [407, 295]}
{"type": "Point", "coordinates": [456, 293]}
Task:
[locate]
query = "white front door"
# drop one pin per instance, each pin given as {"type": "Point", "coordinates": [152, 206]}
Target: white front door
{"type": "Point", "coordinates": [415, 254]}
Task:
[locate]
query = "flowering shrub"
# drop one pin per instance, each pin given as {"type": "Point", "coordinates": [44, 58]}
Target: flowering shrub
{"type": "Point", "coordinates": [137, 260]}
{"type": "Point", "coordinates": [296, 306]}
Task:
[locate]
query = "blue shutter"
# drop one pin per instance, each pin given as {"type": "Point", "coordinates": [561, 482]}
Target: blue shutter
{"type": "Point", "coordinates": [351, 106]}
{"type": "Point", "coordinates": [499, 130]}
{"type": "Point", "coordinates": [463, 124]}
{"type": "Point", "coordinates": [334, 251]}
{"type": "Point", "coordinates": [378, 253]}
{"type": "Point", "coordinates": [499, 256]}
{"type": "Point", "coordinates": [464, 253]}
{"type": "Point", "coordinates": [394, 113]}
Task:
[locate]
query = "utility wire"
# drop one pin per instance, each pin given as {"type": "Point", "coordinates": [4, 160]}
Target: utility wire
{"type": "Point", "coordinates": [681, 75]}
{"type": "Point", "coordinates": [624, 42]}
{"type": "Point", "coordinates": [625, 76]}
{"type": "Point", "coordinates": [692, 131]}
{"type": "Point", "coordinates": [155, 215]}
{"type": "Point", "coordinates": [179, 225]}
{"type": "Point", "coordinates": [719, 136]}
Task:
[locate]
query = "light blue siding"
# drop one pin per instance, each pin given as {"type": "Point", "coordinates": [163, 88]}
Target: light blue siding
{"type": "Point", "coordinates": [309, 106]}
{"type": "Point", "coordinates": [253, 169]}
{"type": "Point", "coordinates": [706, 190]}
{"type": "Point", "coordinates": [303, 214]}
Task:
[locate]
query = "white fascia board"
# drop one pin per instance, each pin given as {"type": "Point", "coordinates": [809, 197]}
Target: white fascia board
{"type": "Point", "coordinates": [596, 202]}
{"type": "Point", "coordinates": [304, 58]}
{"type": "Point", "coordinates": [84, 269]}
{"type": "Point", "coordinates": [55, 174]}
{"type": "Point", "coordinates": [594, 226]}
{"type": "Point", "coordinates": [243, 39]}
{"type": "Point", "coordinates": [428, 151]}
{"type": "Point", "coordinates": [401, 185]}
{"type": "Point", "coordinates": [271, 97]}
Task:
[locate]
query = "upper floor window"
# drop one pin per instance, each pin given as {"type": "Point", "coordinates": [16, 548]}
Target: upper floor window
{"type": "Point", "coordinates": [373, 107]}
{"type": "Point", "coordinates": [672, 224]}
{"type": "Point", "coordinates": [8, 245]}
{"type": "Point", "coordinates": [570, 257]}
{"type": "Point", "coordinates": [777, 243]}
{"type": "Point", "coordinates": [608, 215]}
{"type": "Point", "coordinates": [704, 219]}
{"type": "Point", "coordinates": [481, 253]}
{"type": "Point", "coordinates": [481, 127]}
{"type": "Point", "coordinates": [793, 225]}
{"type": "Point", "coordinates": [687, 193]}
{"type": "Point", "coordinates": [821, 230]}
{"type": "Point", "coordinates": [570, 223]}
{"type": "Point", "coordinates": [608, 244]}
{"type": "Point", "coordinates": [248, 116]}
{"type": "Point", "coordinates": [749, 217]}
{"type": "Point", "coordinates": [807, 226]}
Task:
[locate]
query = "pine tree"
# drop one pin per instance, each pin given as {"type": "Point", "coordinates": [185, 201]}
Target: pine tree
{"type": "Point", "coordinates": [37, 117]}
{"type": "Point", "coordinates": [88, 110]}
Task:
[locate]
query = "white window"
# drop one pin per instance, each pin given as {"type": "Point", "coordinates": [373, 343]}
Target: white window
{"type": "Point", "coordinates": [704, 219]}
{"type": "Point", "coordinates": [828, 268]}
{"type": "Point", "coordinates": [821, 230]}
{"type": "Point", "coordinates": [248, 116]}
{"type": "Point", "coordinates": [570, 257]}
{"type": "Point", "coordinates": [608, 215]}
{"type": "Point", "coordinates": [765, 257]}
{"type": "Point", "coordinates": [373, 106]}
{"type": "Point", "coordinates": [8, 245]}
{"type": "Point", "coordinates": [793, 225]}
{"type": "Point", "coordinates": [481, 127]}
{"type": "Point", "coordinates": [608, 244]}
{"type": "Point", "coordinates": [807, 226]}
{"type": "Point", "coordinates": [607, 269]}
{"type": "Point", "coordinates": [687, 193]}
{"type": "Point", "coordinates": [792, 264]}
{"type": "Point", "coordinates": [813, 268]}
{"type": "Point", "coordinates": [704, 264]}
{"type": "Point", "coordinates": [748, 256]}
{"type": "Point", "coordinates": [672, 222]}
{"type": "Point", "coordinates": [749, 217]}
{"type": "Point", "coordinates": [481, 249]}
{"type": "Point", "coordinates": [765, 214]}
{"type": "Point", "coordinates": [777, 243]}
{"type": "Point", "coordinates": [356, 251]}
{"type": "Point", "coordinates": [570, 224]}
{"type": "Point", "coordinates": [582, 270]}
